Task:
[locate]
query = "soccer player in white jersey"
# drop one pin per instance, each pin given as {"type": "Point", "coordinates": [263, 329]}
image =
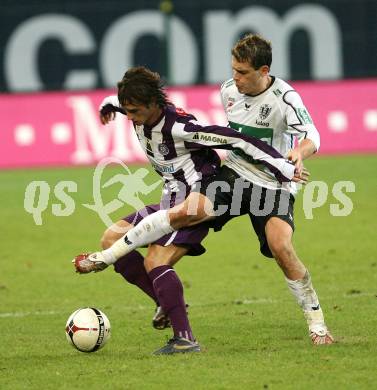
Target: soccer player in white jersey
{"type": "Point", "coordinates": [255, 103]}
{"type": "Point", "coordinates": [259, 104]}
{"type": "Point", "coordinates": [181, 151]}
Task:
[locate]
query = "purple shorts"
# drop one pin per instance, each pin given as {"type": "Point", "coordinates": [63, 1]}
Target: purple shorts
{"type": "Point", "coordinates": [189, 237]}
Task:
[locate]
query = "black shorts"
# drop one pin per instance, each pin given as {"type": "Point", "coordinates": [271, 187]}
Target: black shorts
{"type": "Point", "coordinates": [233, 196]}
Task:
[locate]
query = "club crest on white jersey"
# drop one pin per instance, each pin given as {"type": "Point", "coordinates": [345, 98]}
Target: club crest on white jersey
{"type": "Point", "coordinates": [264, 111]}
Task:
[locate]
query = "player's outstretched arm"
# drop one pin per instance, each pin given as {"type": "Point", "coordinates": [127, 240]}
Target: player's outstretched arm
{"type": "Point", "coordinates": [197, 136]}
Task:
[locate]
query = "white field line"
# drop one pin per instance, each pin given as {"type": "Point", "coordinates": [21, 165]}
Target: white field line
{"type": "Point", "coordinates": [265, 301]}
{"type": "Point", "coordinates": [28, 313]}
{"type": "Point", "coordinates": [53, 312]}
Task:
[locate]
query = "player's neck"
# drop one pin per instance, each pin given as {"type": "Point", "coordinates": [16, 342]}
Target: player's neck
{"type": "Point", "coordinates": [267, 83]}
{"type": "Point", "coordinates": [155, 117]}
{"type": "Point", "coordinates": [264, 84]}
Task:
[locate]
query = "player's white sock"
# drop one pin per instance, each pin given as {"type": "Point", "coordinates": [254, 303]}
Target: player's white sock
{"type": "Point", "coordinates": [306, 296]}
{"type": "Point", "coordinates": [148, 230]}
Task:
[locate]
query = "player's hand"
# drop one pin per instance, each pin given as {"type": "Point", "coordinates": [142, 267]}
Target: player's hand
{"type": "Point", "coordinates": [295, 156]}
{"type": "Point", "coordinates": [107, 116]}
{"type": "Point", "coordinates": [302, 177]}
{"type": "Point", "coordinates": [108, 109]}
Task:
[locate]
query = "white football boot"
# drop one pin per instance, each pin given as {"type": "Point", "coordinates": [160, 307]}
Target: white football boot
{"type": "Point", "coordinates": [85, 263]}
{"type": "Point", "coordinates": [318, 331]}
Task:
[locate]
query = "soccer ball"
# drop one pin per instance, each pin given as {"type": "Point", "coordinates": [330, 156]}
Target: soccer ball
{"type": "Point", "coordinates": [87, 329]}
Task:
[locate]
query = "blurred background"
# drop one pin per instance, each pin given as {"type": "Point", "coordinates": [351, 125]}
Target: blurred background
{"type": "Point", "coordinates": [60, 58]}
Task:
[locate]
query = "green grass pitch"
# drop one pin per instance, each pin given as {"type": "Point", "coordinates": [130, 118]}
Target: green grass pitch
{"type": "Point", "coordinates": [252, 332]}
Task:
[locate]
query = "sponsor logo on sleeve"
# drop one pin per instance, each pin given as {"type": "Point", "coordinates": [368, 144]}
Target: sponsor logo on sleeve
{"type": "Point", "coordinates": [304, 116]}
{"type": "Point", "coordinates": [209, 138]}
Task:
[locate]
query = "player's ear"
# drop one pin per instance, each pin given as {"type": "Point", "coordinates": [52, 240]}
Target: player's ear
{"type": "Point", "coordinates": [264, 70]}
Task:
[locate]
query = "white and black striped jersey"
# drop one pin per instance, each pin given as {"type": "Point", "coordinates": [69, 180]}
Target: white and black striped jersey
{"type": "Point", "coordinates": [276, 116]}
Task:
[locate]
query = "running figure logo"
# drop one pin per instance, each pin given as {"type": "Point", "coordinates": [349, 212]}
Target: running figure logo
{"type": "Point", "coordinates": [132, 183]}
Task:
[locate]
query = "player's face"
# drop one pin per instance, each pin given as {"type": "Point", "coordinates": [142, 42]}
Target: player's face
{"type": "Point", "coordinates": [140, 114]}
{"type": "Point", "coordinates": [249, 81]}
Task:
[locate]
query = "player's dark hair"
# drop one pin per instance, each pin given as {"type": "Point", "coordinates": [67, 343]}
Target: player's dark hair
{"type": "Point", "coordinates": [140, 85]}
{"type": "Point", "coordinates": [254, 49]}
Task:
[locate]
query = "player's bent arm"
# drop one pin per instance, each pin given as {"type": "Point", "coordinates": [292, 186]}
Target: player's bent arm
{"type": "Point", "coordinates": [301, 125]}
{"type": "Point", "coordinates": [111, 100]}
{"type": "Point", "coordinates": [197, 136]}
{"type": "Point", "coordinates": [302, 151]}
{"type": "Point", "coordinates": [306, 148]}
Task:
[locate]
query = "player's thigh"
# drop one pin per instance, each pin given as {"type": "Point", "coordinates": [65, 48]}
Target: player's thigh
{"type": "Point", "coordinates": [158, 255]}
{"type": "Point", "coordinates": [114, 233]}
{"type": "Point", "coordinates": [195, 209]}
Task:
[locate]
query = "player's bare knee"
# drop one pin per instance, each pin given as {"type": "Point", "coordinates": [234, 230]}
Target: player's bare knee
{"type": "Point", "coordinates": [152, 261]}
{"type": "Point", "coordinates": [163, 255]}
{"type": "Point", "coordinates": [149, 264]}
{"type": "Point", "coordinates": [178, 218]}
{"type": "Point", "coordinates": [106, 240]}
{"type": "Point", "coordinates": [183, 217]}
{"type": "Point", "coordinates": [281, 249]}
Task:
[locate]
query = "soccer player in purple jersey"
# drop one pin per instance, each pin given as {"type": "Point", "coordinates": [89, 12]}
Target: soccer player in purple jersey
{"type": "Point", "coordinates": [259, 104]}
{"type": "Point", "coordinates": [181, 151]}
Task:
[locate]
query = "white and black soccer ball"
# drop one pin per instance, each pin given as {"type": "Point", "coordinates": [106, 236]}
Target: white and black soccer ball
{"type": "Point", "coordinates": [87, 329]}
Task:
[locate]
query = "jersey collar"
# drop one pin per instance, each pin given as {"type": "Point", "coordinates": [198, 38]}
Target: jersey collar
{"type": "Point", "coordinates": [260, 93]}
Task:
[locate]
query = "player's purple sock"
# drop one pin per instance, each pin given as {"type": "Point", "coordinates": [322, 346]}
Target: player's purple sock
{"type": "Point", "coordinates": [169, 291]}
{"type": "Point", "coordinates": [131, 267]}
